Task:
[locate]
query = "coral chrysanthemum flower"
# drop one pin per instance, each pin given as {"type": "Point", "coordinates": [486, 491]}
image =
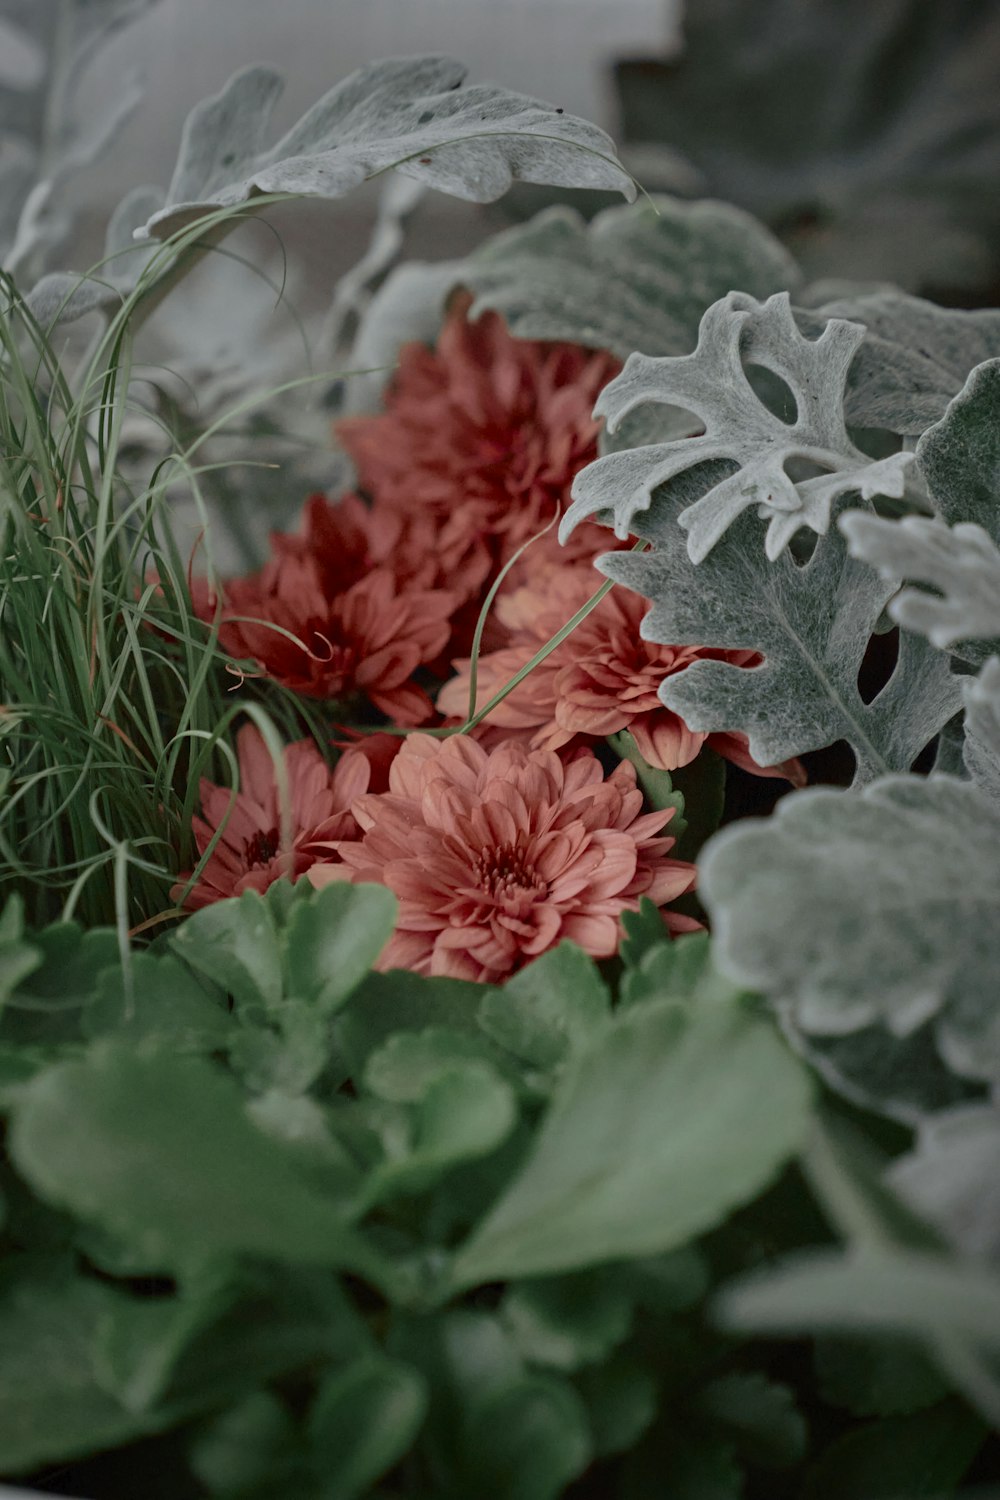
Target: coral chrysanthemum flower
{"type": "Point", "coordinates": [249, 855]}
{"type": "Point", "coordinates": [498, 855]}
{"type": "Point", "coordinates": [483, 433]}
{"type": "Point", "coordinates": [336, 624]}
{"type": "Point", "coordinates": [602, 679]}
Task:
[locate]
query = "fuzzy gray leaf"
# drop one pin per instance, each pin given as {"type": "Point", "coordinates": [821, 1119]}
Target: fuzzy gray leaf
{"type": "Point", "coordinates": [894, 923]}
{"type": "Point", "coordinates": [811, 623]}
{"type": "Point", "coordinates": [960, 455]}
{"type": "Point", "coordinates": [982, 729]}
{"type": "Point", "coordinates": [636, 278]}
{"type": "Point", "coordinates": [914, 359]}
{"type": "Point", "coordinates": [740, 430]}
{"type": "Point", "coordinates": [961, 562]}
{"type": "Point", "coordinates": [951, 1179]}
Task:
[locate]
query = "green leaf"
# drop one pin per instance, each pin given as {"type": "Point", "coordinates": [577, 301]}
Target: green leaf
{"type": "Point", "coordinates": [679, 970]}
{"type": "Point", "coordinates": [287, 1054]}
{"type": "Point", "coordinates": [621, 1401]}
{"type": "Point", "coordinates": [332, 939]}
{"type": "Point", "coordinates": [812, 624]}
{"type": "Point", "coordinates": [633, 278]}
{"type": "Point", "coordinates": [759, 1416]}
{"type": "Point", "coordinates": [465, 1112]}
{"type": "Point", "coordinates": [162, 1004]}
{"type": "Point", "coordinates": [549, 1009]}
{"type": "Point", "coordinates": [565, 1322]}
{"type": "Point", "coordinates": [657, 786]}
{"type": "Point", "coordinates": [235, 944]}
{"type": "Point", "coordinates": [643, 931]}
{"type": "Point", "coordinates": [46, 1008]}
{"type": "Point", "coordinates": [159, 1150]}
{"type": "Point", "coordinates": [528, 1440]}
{"type": "Point", "coordinates": [883, 934]}
{"type": "Point", "coordinates": [740, 430]}
{"type": "Point", "coordinates": [361, 1423]}
{"type": "Point", "coordinates": [251, 1442]}
{"type": "Point", "coordinates": [411, 114]}
{"type": "Point", "coordinates": [18, 958]}
{"type": "Point", "coordinates": [53, 1407]}
{"type": "Point", "coordinates": [913, 1456]}
{"type": "Point", "coordinates": [881, 1377]}
{"type": "Point", "coordinates": [405, 1065]}
{"type": "Point", "coordinates": [384, 1005]}
{"type": "Point", "coordinates": [628, 1161]}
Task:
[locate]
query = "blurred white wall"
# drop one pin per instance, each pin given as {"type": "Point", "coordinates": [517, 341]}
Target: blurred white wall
{"type": "Point", "coordinates": [558, 50]}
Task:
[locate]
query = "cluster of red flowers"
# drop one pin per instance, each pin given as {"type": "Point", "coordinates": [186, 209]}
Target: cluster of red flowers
{"type": "Point", "coordinates": [503, 841]}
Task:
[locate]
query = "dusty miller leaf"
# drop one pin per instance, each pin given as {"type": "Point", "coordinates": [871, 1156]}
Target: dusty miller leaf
{"type": "Point", "coordinates": [951, 1179]}
{"type": "Point", "coordinates": [740, 430]}
{"type": "Point", "coordinates": [982, 729]}
{"type": "Point", "coordinates": [956, 552]}
{"type": "Point", "coordinates": [636, 278]}
{"type": "Point", "coordinates": [413, 114]}
{"type": "Point", "coordinates": [894, 923]}
{"type": "Point", "coordinates": [44, 145]}
{"type": "Point", "coordinates": [812, 625]}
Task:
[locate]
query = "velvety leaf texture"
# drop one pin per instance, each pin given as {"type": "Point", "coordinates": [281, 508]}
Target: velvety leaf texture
{"type": "Point", "coordinates": [951, 1177]}
{"type": "Point", "coordinates": [895, 923]}
{"type": "Point", "coordinates": [982, 730]}
{"type": "Point", "coordinates": [812, 625]}
{"type": "Point", "coordinates": [636, 278]}
{"type": "Point", "coordinates": [740, 430]}
{"type": "Point", "coordinates": [414, 114]}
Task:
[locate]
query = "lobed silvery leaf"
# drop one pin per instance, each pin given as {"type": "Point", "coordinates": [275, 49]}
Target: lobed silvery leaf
{"type": "Point", "coordinates": [951, 1179]}
{"type": "Point", "coordinates": [982, 729]}
{"type": "Point", "coordinates": [740, 430]}
{"type": "Point", "coordinates": [812, 624]}
{"type": "Point", "coordinates": [49, 45]}
{"type": "Point", "coordinates": [415, 115]}
{"type": "Point", "coordinates": [959, 457]}
{"type": "Point", "coordinates": [634, 278]}
{"type": "Point", "coordinates": [891, 895]}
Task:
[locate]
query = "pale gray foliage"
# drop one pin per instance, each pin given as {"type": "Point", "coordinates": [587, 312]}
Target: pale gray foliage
{"type": "Point", "coordinates": [407, 308]}
{"type": "Point", "coordinates": [952, 1177]}
{"type": "Point", "coordinates": [982, 729]}
{"type": "Point", "coordinates": [812, 625]}
{"type": "Point", "coordinates": [740, 430]}
{"type": "Point", "coordinates": [894, 922]}
{"type": "Point", "coordinates": [44, 146]}
{"type": "Point", "coordinates": [414, 115]}
{"type": "Point", "coordinates": [962, 562]}
{"type": "Point", "coordinates": [635, 278]}
{"type": "Point", "coordinates": [959, 457]}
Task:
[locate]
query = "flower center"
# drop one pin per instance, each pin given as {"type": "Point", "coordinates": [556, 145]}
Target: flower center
{"type": "Point", "coordinates": [507, 873]}
{"type": "Point", "coordinates": [261, 849]}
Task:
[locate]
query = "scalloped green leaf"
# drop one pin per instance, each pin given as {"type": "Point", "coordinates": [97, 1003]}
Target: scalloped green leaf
{"type": "Point", "coordinates": [740, 431]}
{"type": "Point", "coordinates": [362, 1421]}
{"type": "Point", "coordinates": [894, 923]}
{"type": "Point", "coordinates": [627, 1161]}
{"type": "Point", "coordinates": [811, 623]}
{"type": "Point", "coordinates": [332, 939]}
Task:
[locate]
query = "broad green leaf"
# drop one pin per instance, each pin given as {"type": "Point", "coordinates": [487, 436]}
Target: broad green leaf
{"type": "Point", "coordinates": [53, 1407]}
{"type": "Point", "coordinates": [628, 1161]}
{"type": "Point", "coordinates": [528, 1441]}
{"type": "Point", "coordinates": [684, 1465]}
{"type": "Point", "coordinates": [332, 939]}
{"type": "Point", "coordinates": [877, 1377]}
{"type": "Point", "coordinates": [883, 934]}
{"type": "Point", "coordinates": [405, 1065]}
{"type": "Point", "coordinates": [924, 1455]}
{"type": "Point", "coordinates": [46, 1008]}
{"type": "Point", "coordinates": [952, 1177]}
{"type": "Point", "coordinates": [812, 625]}
{"type": "Point", "coordinates": [412, 114]}
{"type": "Point", "coordinates": [621, 1401]}
{"type": "Point", "coordinates": [250, 1443]}
{"type": "Point", "coordinates": [163, 1003]}
{"type": "Point", "coordinates": [740, 431]}
{"type": "Point", "coordinates": [362, 1422]}
{"type": "Point", "coordinates": [566, 1322]}
{"type": "Point", "coordinates": [285, 1052]}
{"type": "Point", "coordinates": [554, 1006]}
{"type": "Point", "coordinates": [235, 944]}
{"type": "Point", "coordinates": [759, 1416]}
{"type": "Point", "coordinates": [633, 278]}
{"type": "Point", "coordinates": [678, 970]}
{"type": "Point", "coordinates": [160, 1151]}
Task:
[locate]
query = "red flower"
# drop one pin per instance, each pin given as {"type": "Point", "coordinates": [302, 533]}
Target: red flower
{"type": "Point", "coordinates": [498, 855]}
{"type": "Point", "coordinates": [602, 679]}
{"type": "Point", "coordinates": [327, 620]}
{"type": "Point", "coordinates": [249, 855]}
{"type": "Point", "coordinates": [483, 435]}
